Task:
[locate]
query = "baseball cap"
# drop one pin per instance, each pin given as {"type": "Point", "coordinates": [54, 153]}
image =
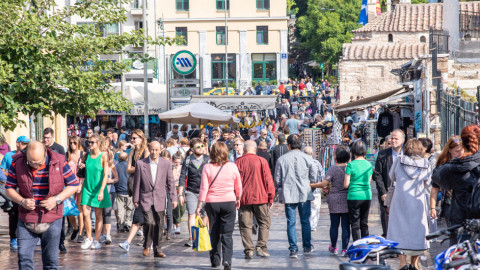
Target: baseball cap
{"type": "Point", "coordinates": [23, 139]}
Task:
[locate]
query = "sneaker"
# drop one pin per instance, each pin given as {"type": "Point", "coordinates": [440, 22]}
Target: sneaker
{"type": "Point", "coordinates": [140, 233]}
{"type": "Point", "coordinates": [86, 243]}
{"type": "Point", "coordinates": [332, 250]}
{"type": "Point", "coordinates": [226, 266]}
{"type": "Point", "coordinates": [74, 235]}
{"type": "Point", "coordinates": [309, 249]}
{"type": "Point", "coordinates": [314, 229]}
{"type": "Point", "coordinates": [262, 253]}
{"type": "Point", "coordinates": [293, 254]}
{"type": "Point", "coordinates": [39, 242]}
{"type": "Point", "coordinates": [108, 240]}
{"type": "Point", "coordinates": [344, 252]}
{"type": "Point", "coordinates": [14, 244]}
{"type": "Point", "coordinates": [62, 249]}
{"type": "Point", "coordinates": [80, 239]}
{"type": "Point", "coordinates": [249, 254]}
{"type": "Point", "coordinates": [189, 243]}
{"type": "Point", "coordinates": [96, 245]}
{"type": "Point", "coordinates": [125, 245]}
{"type": "Point", "coordinates": [177, 230]}
{"type": "Point", "coordinates": [102, 239]}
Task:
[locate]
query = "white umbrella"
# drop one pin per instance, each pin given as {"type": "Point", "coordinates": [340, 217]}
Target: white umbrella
{"type": "Point", "coordinates": [198, 114]}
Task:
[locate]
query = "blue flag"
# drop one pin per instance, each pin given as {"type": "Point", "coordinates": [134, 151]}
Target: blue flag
{"type": "Point", "coordinates": [363, 13]}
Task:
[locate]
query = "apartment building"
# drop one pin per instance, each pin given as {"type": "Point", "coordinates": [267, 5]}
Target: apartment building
{"type": "Point", "coordinates": [255, 39]}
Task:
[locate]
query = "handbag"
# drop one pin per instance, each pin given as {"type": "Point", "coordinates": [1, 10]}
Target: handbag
{"type": "Point", "coordinates": [81, 172]}
{"type": "Point", "coordinates": [200, 237]}
{"type": "Point", "coordinates": [70, 207]}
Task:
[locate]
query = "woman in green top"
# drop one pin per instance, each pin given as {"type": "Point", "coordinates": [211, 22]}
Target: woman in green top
{"type": "Point", "coordinates": [358, 175]}
{"type": "Point", "coordinates": [94, 193]}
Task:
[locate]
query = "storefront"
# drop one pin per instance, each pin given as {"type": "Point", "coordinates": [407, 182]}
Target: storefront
{"type": "Point", "coordinates": [218, 69]}
{"type": "Point", "coordinates": [264, 67]}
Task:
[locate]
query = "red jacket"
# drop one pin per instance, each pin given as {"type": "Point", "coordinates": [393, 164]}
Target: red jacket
{"type": "Point", "coordinates": [56, 183]}
{"type": "Point", "coordinates": [257, 181]}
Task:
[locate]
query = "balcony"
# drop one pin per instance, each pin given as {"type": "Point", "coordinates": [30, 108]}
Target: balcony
{"type": "Point", "coordinates": [137, 8]}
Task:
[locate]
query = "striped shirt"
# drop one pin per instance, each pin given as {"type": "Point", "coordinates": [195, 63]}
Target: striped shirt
{"type": "Point", "coordinates": [40, 179]}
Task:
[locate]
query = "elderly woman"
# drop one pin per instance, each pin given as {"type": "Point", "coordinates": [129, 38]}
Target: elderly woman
{"type": "Point", "coordinates": [408, 221]}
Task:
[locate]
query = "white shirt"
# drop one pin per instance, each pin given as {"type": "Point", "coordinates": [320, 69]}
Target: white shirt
{"type": "Point", "coordinates": [153, 169]}
{"type": "Point", "coordinates": [396, 155]}
{"type": "Point", "coordinates": [170, 133]}
{"type": "Point", "coordinates": [309, 86]}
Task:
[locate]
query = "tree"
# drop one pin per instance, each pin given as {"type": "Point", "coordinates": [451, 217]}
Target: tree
{"type": "Point", "coordinates": [49, 66]}
{"type": "Point", "coordinates": [326, 25]}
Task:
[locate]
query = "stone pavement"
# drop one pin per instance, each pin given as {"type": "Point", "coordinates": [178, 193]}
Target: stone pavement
{"type": "Point", "coordinates": [180, 257]}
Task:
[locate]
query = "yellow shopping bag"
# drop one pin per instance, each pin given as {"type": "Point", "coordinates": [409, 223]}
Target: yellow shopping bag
{"type": "Point", "coordinates": [200, 236]}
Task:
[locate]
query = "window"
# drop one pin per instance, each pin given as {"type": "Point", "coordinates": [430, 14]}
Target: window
{"type": "Point", "coordinates": [221, 36]}
{"type": "Point", "coordinates": [264, 67]}
{"type": "Point", "coordinates": [423, 39]}
{"type": "Point", "coordinates": [138, 25]}
{"type": "Point", "coordinates": [390, 38]}
{"type": "Point", "coordinates": [182, 5]}
{"type": "Point", "coordinates": [109, 29]}
{"type": "Point", "coordinates": [262, 34]}
{"type": "Point", "coordinates": [221, 4]}
{"type": "Point", "coordinates": [263, 4]}
{"type": "Point", "coordinates": [218, 69]}
{"type": "Point", "coordinates": [182, 32]}
{"type": "Point", "coordinates": [136, 4]}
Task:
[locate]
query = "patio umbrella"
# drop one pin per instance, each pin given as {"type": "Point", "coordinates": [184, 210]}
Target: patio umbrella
{"type": "Point", "coordinates": [198, 114]}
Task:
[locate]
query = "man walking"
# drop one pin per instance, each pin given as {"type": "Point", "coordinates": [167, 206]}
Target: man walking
{"type": "Point", "coordinates": [317, 201]}
{"type": "Point", "coordinates": [294, 173]}
{"type": "Point", "coordinates": [192, 168]}
{"type": "Point", "coordinates": [293, 125]}
{"type": "Point", "coordinates": [256, 200]}
{"type": "Point", "coordinates": [153, 177]}
{"type": "Point", "coordinates": [44, 180]}
{"type": "Point", "coordinates": [49, 141]}
{"type": "Point", "coordinates": [381, 177]}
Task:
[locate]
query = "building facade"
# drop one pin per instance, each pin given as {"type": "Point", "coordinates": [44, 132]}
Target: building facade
{"type": "Point", "coordinates": [254, 45]}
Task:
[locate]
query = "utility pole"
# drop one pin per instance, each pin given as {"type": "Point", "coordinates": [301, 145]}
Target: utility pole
{"type": "Point", "coordinates": [145, 70]}
{"type": "Point", "coordinates": [123, 81]}
{"type": "Point", "coordinates": [226, 52]}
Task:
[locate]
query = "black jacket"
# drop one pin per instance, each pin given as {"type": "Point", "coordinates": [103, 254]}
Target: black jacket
{"type": "Point", "coordinates": [277, 152]}
{"type": "Point", "coordinates": [382, 168]}
{"type": "Point", "coordinates": [459, 175]}
{"type": "Point", "coordinates": [190, 172]}
{"type": "Point", "coordinates": [266, 155]}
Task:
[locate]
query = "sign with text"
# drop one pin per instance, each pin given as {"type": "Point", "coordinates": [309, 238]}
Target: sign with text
{"type": "Point", "coordinates": [238, 103]}
{"type": "Point", "coordinates": [185, 81]}
{"type": "Point", "coordinates": [184, 91]}
{"type": "Point", "coordinates": [417, 106]}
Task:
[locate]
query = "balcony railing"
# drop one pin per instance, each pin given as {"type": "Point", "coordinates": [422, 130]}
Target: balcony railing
{"type": "Point", "coordinates": [470, 25]}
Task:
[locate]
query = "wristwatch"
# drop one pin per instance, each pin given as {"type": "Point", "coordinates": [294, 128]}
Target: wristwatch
{"type": "Point", "coordinates": [58, 200]}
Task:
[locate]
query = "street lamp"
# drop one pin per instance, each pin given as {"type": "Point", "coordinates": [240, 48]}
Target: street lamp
{"type": "Point", "coordinates": [161, 26]}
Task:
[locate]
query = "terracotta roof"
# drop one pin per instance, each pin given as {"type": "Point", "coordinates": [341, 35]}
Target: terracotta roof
{"type": "Point", "coordinates": [407, 18]}
{"type": "Point", "coordinates": [352, 51]}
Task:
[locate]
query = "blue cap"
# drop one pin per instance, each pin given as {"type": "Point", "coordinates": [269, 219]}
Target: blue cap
{"type": "Point", "coordinates": [23, 139]}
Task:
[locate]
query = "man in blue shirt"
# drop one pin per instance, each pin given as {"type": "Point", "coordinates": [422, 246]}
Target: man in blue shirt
{"type": "Point", "coordinates": [293, 125]}
{"type": "Point", "coordinates": [12, 210]}
{"type": "Point", "coordinates": [258, 89]}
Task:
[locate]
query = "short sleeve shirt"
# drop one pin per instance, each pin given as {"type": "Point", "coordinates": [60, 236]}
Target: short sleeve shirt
{"type": "Point", "coordinates": [7, 161]}
{"type": "Point", "coordinates": [360, 172]}
{"type": "Point", "coordinates": [292, 125]}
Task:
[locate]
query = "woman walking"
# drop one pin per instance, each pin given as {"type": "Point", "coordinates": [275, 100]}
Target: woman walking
{"type": "Point", "coordinates": [459, 175]}
{"type": "Point", "coordinates": [358, 175]}
{"type": "Point", "coordinates": [74, 157]}
{"type": "Point", "coordinates": [107, 212]}
{"type": "Point", "coordinates": [408, 220]}
{"type": "Point", "coordinates": [337, 200]}
{"type": "Point", "coordinates": [221, 190]}
{"type": "Point", "coordinates": [95, 193]}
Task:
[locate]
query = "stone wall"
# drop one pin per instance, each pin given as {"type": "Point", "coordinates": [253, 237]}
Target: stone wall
{"type": "Point", "coordinates": [382, 37]}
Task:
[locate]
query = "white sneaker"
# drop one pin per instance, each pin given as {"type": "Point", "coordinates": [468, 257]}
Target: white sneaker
{"type": "Point", "coordinates": [103, 238]}
{"type": "Point", "coordinates": [96, 245]}
{"type": "Point", "coordinates": [140, 232]}
{"type": "Point", "coordinates": [108, 239]}
{"type": "Point", "coordinates": [177, 230]}
{"type": "Point", "coordinates": [87, 243]}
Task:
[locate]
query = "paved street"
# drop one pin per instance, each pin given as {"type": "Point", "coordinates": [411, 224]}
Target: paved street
{"type": "Point", "coordinates": [180, 257]}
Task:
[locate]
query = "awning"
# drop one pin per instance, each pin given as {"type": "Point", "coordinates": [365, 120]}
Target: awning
{"type": "Point", "coordinates": [372, 100]}
{"type": "Point", "coordinates": [238, 103]}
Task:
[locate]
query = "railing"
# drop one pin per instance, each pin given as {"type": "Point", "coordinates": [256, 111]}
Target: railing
{"type": "Point", "coordinates": [456, 114]}
{"type": "Point", "coordinates": [470, 25]}
{"type": "Point", "coordinates": [439, 40]}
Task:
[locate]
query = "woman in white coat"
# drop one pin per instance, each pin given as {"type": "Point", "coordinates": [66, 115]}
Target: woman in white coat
{"type": "Point", "coordinates": [408, 220]}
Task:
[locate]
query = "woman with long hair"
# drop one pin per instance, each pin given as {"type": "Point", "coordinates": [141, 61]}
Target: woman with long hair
{"type": "Point", "coordinates": [453, 149]}
{"type": "Point", "coordinates": [408, 222]}
{"type": "Point", "coordinates": [4, 147]}
{"type": "Point", "coordinates": [140, 151]}
{"type": "Point", "coordinates": [204, 138]}
{"type": "Point", "coordinates": [221, 190]}
{"type": "Point", "coordinates": [95, 194]}
{"type": "Point", "coordinates": [459, 175]}
{"type": "Point", "coordinates": [74, 158]}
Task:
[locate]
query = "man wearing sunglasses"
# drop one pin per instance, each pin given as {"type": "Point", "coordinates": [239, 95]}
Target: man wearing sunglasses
{"type": "Point", "coordinates": [192, 168]}
{"type": "Point", "coordinates": [44, 180]}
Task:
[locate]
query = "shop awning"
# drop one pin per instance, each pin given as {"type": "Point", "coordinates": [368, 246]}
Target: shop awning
{"type": "Point", "coordinates": [238, 103]}
{"type": "Point", "coordinates": [373, 100]}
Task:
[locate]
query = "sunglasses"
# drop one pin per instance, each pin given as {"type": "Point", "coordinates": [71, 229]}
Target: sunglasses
{"type": "Point", "coordinates": [73, 142]}
{"type": "Point", "coordinates": [91, 142]}
{"type": "Point", "coordinates": [198, 146]}
{"type": "Point", "coordinates": [238, 144]}
{"type": "Point", "coordinates": [134, 138]}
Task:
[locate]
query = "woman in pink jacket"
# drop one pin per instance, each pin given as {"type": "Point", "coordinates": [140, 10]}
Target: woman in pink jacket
{"type": "Point", "coordinates": [221, 190]}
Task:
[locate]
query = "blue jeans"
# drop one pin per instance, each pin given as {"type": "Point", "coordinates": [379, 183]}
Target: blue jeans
{"type": "Point", "coordinates": [334, 223]}
{"type": "Point", "coordinates": [304, 210]}
{"type": "Point", "coordinates": [28, 240]}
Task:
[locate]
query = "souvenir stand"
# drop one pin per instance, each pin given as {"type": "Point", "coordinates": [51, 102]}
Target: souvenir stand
{"type": "Point", "coordinates": [371, 139]}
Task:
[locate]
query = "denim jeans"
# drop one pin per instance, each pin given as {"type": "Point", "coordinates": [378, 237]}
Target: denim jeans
{"type": "Point", "coordinates": [304, 210]}
{"type": "Point", "coordinates": [28, 240]}
{"type": "Point", "coordinates": [334, 223]}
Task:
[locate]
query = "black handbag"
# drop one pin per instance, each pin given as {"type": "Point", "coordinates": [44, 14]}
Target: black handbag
{"type": "Point", "coordinates": [81, 172]}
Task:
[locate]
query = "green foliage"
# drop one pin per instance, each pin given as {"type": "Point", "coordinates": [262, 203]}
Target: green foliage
{"type": "Point", "coordinates": [419, 1]}
{"type": "Point", "coordinates": [326, 25]}
{"type": "Point", "coordinates": [43, 58]}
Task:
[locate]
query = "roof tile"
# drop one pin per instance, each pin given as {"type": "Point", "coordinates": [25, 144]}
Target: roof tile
{"type": "Point", "coordinates": [383, 51]}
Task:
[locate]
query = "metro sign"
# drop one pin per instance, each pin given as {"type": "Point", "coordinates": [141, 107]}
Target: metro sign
{"type": "Point", "coordinates": [184, 62]}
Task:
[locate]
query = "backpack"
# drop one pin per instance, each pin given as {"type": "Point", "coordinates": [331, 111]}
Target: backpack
{"type": "Point", "coordinates": [473, 208]}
